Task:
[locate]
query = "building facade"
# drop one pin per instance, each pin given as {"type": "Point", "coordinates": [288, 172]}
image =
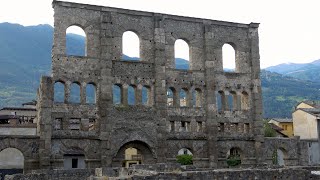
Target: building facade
{"type": "Point", "coordinates": [221, 113]}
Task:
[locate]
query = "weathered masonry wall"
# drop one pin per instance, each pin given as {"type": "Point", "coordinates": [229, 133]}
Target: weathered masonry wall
{"type": "Point", "coordinates": [206, 124]}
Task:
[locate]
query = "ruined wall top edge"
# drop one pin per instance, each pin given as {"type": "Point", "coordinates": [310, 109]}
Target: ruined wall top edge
{"type": "Point", "coordinates": [145, 13]}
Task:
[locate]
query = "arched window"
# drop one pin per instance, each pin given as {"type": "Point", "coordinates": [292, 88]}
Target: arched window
{"type": "Point", "coordinates": [181, 54]}
{"type": "Point", "coordinates": [197, 97]}
{"type": "Point", "coordinates": [76, 41]}
{"type": "Point", "coordinates": [221, 101]}
{"type": "Point", "coordinates": [279, 156]}
{"type": "Point", "coordinates": [146, 96]}
{"type": "Point", "coordinates": [184, 151]}
{"type": "Point", "coordinates": [59, 92]}
{"type": "Point", "coordinates": [131, 95]}
{"type": "Point", "coordinates": [117, 94]}
{"type": "Point", "coordinates": [183, 98]}
{"type": "Point", "coordinates": [91, 93]}
{"type": "Point", "coordinates": [171, 97]}
{"type": "Point", "coordinates": [244, 101]}
{"type": "Point", "coordinates": [75, 93]}
{"type": "Point", "coordinates": [130, 46]}
{"type": "Point", "coordinates": [11, 158]}
{"type": "Point", "coordinates": [232, 101]}
{"type": "Point", "coordinates": [228, 58]}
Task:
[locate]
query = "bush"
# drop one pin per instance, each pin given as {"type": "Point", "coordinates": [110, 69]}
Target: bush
{"type": "Point", "coordinates": [185, 159]}
{"type": "Point", "coordinates": [233, 161]}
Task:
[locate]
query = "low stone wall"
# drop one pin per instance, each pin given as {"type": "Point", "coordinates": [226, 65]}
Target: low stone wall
{"type": "Point", "coordinates": [173, 171]}
{"type": "Point", "coordinates": [72, 174]}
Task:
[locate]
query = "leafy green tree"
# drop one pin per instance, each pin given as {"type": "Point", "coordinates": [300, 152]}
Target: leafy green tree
{"type": "Point", "coordinates": [268, 131]}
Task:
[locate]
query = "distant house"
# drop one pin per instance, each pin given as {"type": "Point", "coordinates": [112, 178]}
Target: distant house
{"type": "Point", "coordinates": [306, 120]}
{"type": "Point", "coordinates": [278, 130]}
{"type": "Point", "coordinates": [27, 113]}
{"type": "Point", "coordinates": [285, 124]}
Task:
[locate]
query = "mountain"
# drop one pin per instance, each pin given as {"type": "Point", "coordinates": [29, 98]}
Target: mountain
{"type": "Point", "coordinates": [25, 55]}
{"type": "Point", "coordinates": [306, 71]}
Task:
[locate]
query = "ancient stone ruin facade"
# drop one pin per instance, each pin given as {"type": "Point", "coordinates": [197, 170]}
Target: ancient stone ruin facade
{"type": "Point", "coordinates": [219, 116]}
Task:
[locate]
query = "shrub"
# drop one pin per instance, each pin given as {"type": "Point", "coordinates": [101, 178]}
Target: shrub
{"type": "Point", "coordinates": [185, 159]}
{"type": "Point", "coordinates": [233, 161]}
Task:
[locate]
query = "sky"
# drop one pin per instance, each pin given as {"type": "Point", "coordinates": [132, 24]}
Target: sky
{"type": "Point", "coordinates": [289, 29]}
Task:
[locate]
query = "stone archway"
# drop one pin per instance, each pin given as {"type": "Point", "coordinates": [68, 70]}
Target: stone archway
{"type": "Point", "coordinates": [11, 161]}
{"type": "Point", "coordinates": [133, 152]}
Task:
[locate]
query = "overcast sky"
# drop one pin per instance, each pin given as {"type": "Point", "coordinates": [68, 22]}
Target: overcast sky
{"type": "Point", "coordinates": [289, 29]}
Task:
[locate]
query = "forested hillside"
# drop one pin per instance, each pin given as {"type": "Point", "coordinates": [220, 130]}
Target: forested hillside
{"type": "Point", "coordinates": [25, 55]}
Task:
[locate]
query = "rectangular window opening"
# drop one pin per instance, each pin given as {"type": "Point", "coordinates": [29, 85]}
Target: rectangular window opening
{"type": "Point", "coordinates": [74, 163]}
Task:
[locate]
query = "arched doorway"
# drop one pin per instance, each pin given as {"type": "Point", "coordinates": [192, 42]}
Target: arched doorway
{"type": "Point", "coordinates": [134, 152]}
{"type": "Point", "coordinates": [11, 161]}
{"type": "Point", "coordinates": [279, 156]}
{"type": "Point", "coordinates": [234, 157]}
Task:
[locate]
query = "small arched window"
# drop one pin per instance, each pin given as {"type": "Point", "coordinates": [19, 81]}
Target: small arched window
{"type": "Point", "coordinates": [130, 46]}
{"type": "Point", "coordinates": [221, 101]}
{"type": "Point", "coordinates": [59, 92]}
{"type": "Point", "coordinates": [171, 97]}
{"type": "Point", "coordinates": [183, 97]}
{"type": "Point", "coordinates": [117, 94]}
{"type": "Point", "coordinates": [181, 54]}
{"type": "Point", "coordinates": [146, 96]}
{"type": "Point", "coordinates": [184, 151]}
{"type": "Point", "coordinates": [244, 101]}
{"type": "Point", "coordinates": [197, 97]}
{"type": "Point", "coordinates": [232, 101]}
{"type": "Point", "coordinates": [91, 93]}
{"type": "Point", "coordinates": [75, 93]}
{"type": "Point", "coordinates": [228, 58]}
{"type": "Point", "coordinates": [131, 95]}
{"type": "Point", "coordinates": [76, 41]}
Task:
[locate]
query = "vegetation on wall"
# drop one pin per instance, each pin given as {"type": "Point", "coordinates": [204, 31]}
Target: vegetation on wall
{"type": "Point", "coordinates": [185, 159]}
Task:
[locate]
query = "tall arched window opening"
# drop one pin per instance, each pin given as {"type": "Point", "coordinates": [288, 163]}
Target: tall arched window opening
{"type": "Point", "coordinates": [130, 46]}
{"type": "Point", "coordinates": [59, 92]}
{"type": "Point", "coordinates": [76, 41]}
{"type": "Point", "coordinates": [228, 58]}
{"type": "Point", "coordinates": [117, 94]}
{"type": "Point", "coordinates": [181, 54]}
{"type": "Point", "coordinates": [75, 93]}
{"type": "Point", "coordinates": [131, 95]}
{"type": "Point", "coordinates": [91, 93]}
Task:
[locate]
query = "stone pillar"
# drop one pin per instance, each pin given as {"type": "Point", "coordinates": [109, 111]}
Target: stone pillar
{"type": "Point", "coordinates": [44, 124]}
{"type": "Point", "coordinates": [209, 97]}
{"type": "Point", "coordinates": [160, 87]}
{"type": "Point", "coordinates": [67, 92]}
{"type": "Point", "coordinates": [124, 94]}
{"type": "Point", "coordinates": [138, 95]}
{"type": "Point", "coordinates": [83, 93]}
{"type": "Point", "coordinates": [256, 95]}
